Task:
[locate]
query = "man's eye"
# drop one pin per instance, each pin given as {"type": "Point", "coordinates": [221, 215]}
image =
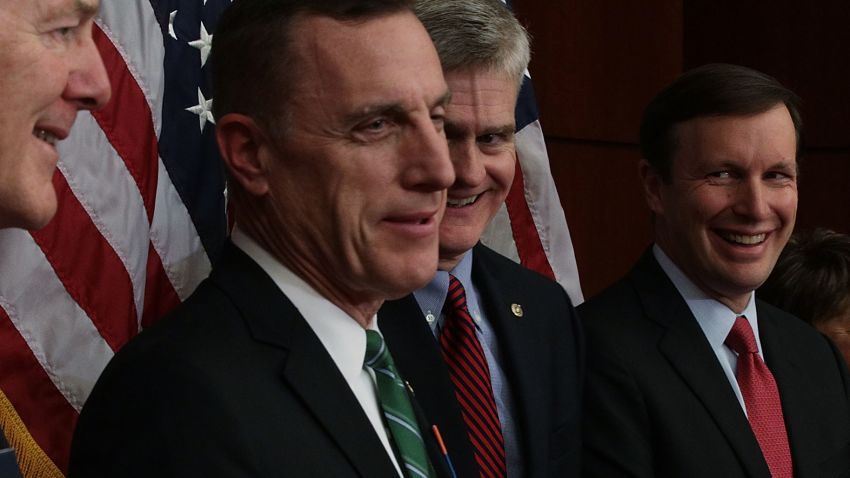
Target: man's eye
{"type": "Point", "coordinates": [64, 32]}
{"type": "Point", "coordinates": [486, 139]}
{"type": "Point", "coordinates": [777, 175]}
{"type": "Point", "coordinates": [376, 125]}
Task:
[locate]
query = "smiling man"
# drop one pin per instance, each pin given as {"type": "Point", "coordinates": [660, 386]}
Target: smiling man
{"type": "Point", "coordinates": [484, 319]}
{"type": "Point", "coordinates": [50, 70]}
{"type": "Point", "coordinates": [329, 116]}
{"type": "Point", "coordinates": [689, 374]}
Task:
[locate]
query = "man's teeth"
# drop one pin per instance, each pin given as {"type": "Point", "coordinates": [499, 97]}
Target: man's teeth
{"type": "Point", "coordinates": [461, 202]}
{"type": "Point", "coordinates": [45, 136]}
{"type": "Point", "coordinates": [746, 240]}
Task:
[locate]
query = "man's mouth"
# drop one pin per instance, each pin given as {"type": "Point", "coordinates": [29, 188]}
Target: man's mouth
{"type": "Point", "coordinates": [45, 136]}
{"type": "Point", "coordinates": [744, 239]}
{"type": "Point", "coordinates": [461, 202]}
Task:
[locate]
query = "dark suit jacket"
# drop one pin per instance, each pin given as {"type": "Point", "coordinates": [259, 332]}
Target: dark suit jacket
{"type": "Point", "coordinates": [234, 383]}
{"type": "Point", "coordinates": [8, 465]}
{"type": "Point", "coordinates": [542, 355]}
{"type": "Point", "coordinates": [658, 404]}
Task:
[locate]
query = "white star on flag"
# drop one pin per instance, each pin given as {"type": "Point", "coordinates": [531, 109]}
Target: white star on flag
{"type": "Point", "coordinates": [171, 24]}
{"type": "Point", "coordinates": [204, 44]}
{"type": "Point", "coordinates": [203, 109]}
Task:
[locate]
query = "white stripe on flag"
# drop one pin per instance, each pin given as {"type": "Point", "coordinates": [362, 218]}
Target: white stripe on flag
{"type": "Point", "coordinates": [89, 162]}
{"type": "Point", "coordinates": [542, 198]}
{"type": "Point", "coordinates": [176, 240]}
{"type": "Point", "coordinates": [138, 39]}
{"type": "Point", "coordinates": [499, 235]}
{"type": "Point", "coordinates": [61, 336]}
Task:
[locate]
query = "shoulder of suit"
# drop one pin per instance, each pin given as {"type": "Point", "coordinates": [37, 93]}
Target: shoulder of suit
{"type": "Point", "coordinates": [786, 323]}
{"type": "Point", "coordinates": [491, 259]}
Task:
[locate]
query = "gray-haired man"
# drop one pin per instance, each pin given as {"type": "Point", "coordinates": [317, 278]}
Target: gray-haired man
{"type": "Point", "coordinates": [492, 349]}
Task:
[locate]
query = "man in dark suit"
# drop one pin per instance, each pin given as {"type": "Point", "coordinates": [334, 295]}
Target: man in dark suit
{"type": "Point", "coordinates": [329, 117]}
{"type": "Point", "coordinates": [689, 375]}
{"type": "Point", "coordinates": [518, 336]}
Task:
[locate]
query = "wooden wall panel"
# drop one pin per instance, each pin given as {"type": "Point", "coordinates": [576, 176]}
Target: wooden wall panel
{"type": "Point", "coordinates": [609, 221]}
{"type": "Point", "coordinates": [596, 63]}
{"type": "Point", "coordinates": [824, 190]}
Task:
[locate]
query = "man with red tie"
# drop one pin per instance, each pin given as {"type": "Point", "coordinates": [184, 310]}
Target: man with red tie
{"type": "Point", "coordinates": [689, 374]}
{"type": "Point", "coordinates": [491, 348]}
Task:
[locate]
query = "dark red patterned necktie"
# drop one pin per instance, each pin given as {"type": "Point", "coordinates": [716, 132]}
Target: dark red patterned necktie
{"type": "Point", "coordinates": [471, 377]}
{"type": "Point", "coordinates": [761, 397]}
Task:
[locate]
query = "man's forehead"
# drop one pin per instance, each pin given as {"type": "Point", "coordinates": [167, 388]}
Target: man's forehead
{"type": "Point", "coordinates": [379, 57]}
{"type": "Point", "coordinates": [50, 9]}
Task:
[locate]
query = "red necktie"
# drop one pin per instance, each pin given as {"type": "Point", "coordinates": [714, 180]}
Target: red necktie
{"type": "Point", "coordinates": [761, 396]}
{"type": "Point", "coordinates": [471, 377]}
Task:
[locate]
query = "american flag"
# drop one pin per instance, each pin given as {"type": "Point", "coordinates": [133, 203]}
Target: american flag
{"type": "Point", "coordinates": [141, 193]}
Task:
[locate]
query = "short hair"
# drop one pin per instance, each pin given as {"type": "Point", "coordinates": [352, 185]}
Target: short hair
{"type": "Point", "coordinates": [716, 89]}
{"type": "Point", "coordinates": [476, 34]}
{"type": "Point", "coordinates": [251, 59]}
{"type": "Point", "coordinates": [812, 276]}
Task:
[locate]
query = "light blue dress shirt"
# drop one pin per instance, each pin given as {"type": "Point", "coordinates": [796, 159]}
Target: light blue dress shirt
{"type": "Point", "coordinates": [431, 299]}
{"type": "Point", "coordinates": [714, 318]}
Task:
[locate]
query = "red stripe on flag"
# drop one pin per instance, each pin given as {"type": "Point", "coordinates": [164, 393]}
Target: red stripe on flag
{"type": "Point", "coordinates": [528, 244]}
{"type": "Point", "coordinates": [160, 296]}
{"type": "Point", "coordinates": [49, 418]}
{"type": "Point", "coordinates": [127, 122]}
{"type": "Point", "coordinates": [89, 268]}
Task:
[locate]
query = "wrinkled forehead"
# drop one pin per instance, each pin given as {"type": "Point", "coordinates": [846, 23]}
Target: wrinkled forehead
{"type": "Point", "coordinates": [49, 9]}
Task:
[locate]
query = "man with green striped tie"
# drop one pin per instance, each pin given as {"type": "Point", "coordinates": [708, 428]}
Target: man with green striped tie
{"type": "Point", "coordinates": [329, 117]}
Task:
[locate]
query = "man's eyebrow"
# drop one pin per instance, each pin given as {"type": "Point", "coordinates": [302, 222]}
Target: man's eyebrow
{"type": "Point", "coordinates": [388, 109]}
{"type": "Point", "coordinates": [86, 7]}
{"type": "Point", "coordinates": [443, 100]}
{"type": "Point", "coordinates": [506, 129]}
{"type": "Point", "coordinates": [394, 109]}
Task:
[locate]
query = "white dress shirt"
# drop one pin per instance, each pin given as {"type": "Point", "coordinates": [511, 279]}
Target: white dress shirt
{"type": "Point", "coordinates": [343, 338]}
{"type": "Point", "coordinates": [714, 318]}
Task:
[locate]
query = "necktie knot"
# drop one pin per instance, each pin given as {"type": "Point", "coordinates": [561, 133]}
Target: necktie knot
{"type": "Point", "coordinates": [456, 297]}
{"type": "Point", "coordinates": [377, 355]}
{"type": "Point", "coordinates": [741, 338]}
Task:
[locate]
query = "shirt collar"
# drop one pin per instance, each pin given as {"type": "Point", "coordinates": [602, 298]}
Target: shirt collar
{"type": "Point", "coordinates": [714, 317]}
{"type": "Point", "coordinates": [432, 297]}
{"type": "Point", "coordinates": [343, 338]}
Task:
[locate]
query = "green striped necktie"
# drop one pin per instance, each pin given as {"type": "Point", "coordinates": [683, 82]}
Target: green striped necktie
{"type": "Point", "coordinates": [397, 409]}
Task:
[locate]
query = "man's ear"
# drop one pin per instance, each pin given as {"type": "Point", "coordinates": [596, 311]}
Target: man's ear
{"type": "Point", "coordinates": [652, 182]}
{"type": "Point", "coordinates": [241, 142]}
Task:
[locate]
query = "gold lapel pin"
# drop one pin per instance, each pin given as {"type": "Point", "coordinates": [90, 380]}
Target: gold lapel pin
{"type": "Point", "coordinates": [517, 310]}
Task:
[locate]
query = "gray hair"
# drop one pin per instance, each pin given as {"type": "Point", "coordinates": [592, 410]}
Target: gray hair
{"type": "Point", "coordinates": [476, 34]}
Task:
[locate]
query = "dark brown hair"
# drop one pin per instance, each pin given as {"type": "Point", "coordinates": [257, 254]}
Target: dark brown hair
{"type": "Point", "coordinates": [812, 276]}
{"type": "Point", "coordinates": [251, 61]}
{"type": "Point", "coordinates": [711, 90]}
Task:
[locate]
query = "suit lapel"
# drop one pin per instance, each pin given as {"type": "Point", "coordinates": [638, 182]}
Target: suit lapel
{"type": "Point", "coordinates": [307, 369]}
{"type": "Point", "coordinates": [781, 358]}
{"type": "Point", "coordinates": [497, 294]}
{"type": "Point", "coordinates": [417, 356]}
{"type": "Point", "coordinates": [690, 354]}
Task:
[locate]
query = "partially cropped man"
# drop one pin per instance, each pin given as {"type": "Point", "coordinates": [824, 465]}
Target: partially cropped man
{"type": "Point", "coordinates": [329, 116]}
{"type": "Point", "coordinates": [49, 70]}
{"type": "Point", "coordinates": [689, 374]}
{"type": "Point", "coordinates": [493, 349]}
